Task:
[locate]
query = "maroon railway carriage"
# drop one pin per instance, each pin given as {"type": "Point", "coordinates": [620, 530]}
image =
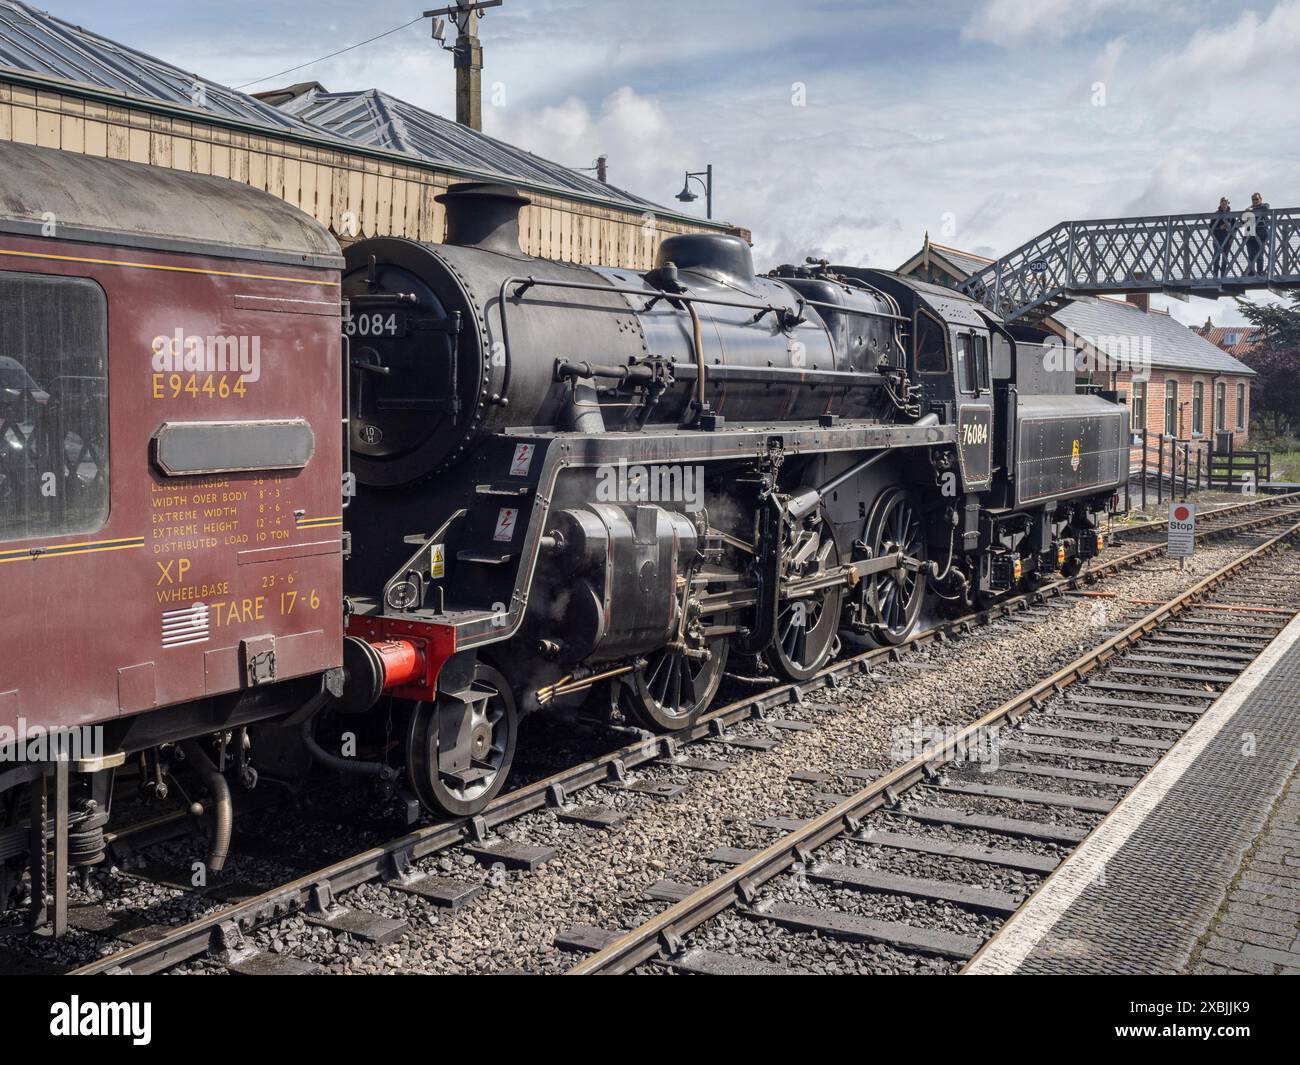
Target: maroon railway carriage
{"type": "Point", "coordinates": [170, 468]}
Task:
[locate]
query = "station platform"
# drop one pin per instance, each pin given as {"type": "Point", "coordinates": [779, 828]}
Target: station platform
{"type": "Point", "coordinates": [1197, 869]}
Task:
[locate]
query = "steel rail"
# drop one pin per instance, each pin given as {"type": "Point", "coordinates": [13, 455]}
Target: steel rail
{"type": "Point", "coordinates": [1263, 501]}
{"type": "Point", "coordinates": [666, 930]}
{"type": "Point", "coordinates": [389, 859]}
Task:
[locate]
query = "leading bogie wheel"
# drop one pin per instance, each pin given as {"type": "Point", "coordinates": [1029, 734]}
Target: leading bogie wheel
{"type": "Point", "coordinates": [459, 750]}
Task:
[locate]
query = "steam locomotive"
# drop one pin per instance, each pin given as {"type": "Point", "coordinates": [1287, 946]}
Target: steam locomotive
{"type": "Point", "coordinates": [613, 481]}
{"type": "Point", "coordinates": [562, 485]}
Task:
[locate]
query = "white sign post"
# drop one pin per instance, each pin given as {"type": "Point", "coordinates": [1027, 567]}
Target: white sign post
{"type": "Point", "coordinates": [1182, 532]}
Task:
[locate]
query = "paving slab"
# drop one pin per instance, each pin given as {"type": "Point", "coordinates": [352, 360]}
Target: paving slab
{"type": "Point", "coordinates": [1198, 868]}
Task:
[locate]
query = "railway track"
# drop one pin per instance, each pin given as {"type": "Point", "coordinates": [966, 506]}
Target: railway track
{"type": "Point", "coordinates": [223, 933]}
{"type": "Point", "coordinates": [1210, 518]}
{"type": "Point", "coordinates": [1082, 738]}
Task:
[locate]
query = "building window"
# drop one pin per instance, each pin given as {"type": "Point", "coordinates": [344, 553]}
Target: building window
{"type": "Point", "coordinates": [1139, 407]}
{"type": "Point", "coordinates": [1241, 406]}
{"type": "Point", "coordinates": [1198, 407]}
{"type": "Point", "coordinates": [1230, 339]}
{"type": "Point", "coordinates": [53, 406]}
{"type": "Point", "coordinates": [1171, 407]}
{"type": "Point", "coordinates": [1220, 406]}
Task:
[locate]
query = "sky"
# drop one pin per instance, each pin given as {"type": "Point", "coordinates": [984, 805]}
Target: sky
{"type": "Point", "coordinates": [843, 129]}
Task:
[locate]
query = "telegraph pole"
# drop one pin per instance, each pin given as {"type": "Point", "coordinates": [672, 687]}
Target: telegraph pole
{"type": "Point", "coordinates": [468, 56]}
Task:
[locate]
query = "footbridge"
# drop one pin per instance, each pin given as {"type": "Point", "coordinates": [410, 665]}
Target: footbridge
{"type": "Point", "coordinates": [1175, 255]}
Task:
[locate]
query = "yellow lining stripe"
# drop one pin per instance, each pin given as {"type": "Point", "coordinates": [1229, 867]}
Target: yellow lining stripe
{"type": "Point", "coordinates": [27, 554]}
{"type": "Point", "coordinates": [174, 269]}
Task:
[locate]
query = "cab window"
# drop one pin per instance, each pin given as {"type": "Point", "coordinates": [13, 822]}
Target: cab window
{"type": "Point", "coordinates": [983, 377]}
{"type": "Point", "coordinates": [965, 363]}
{"type": "Point", "coordinates": [973, 363]}
{"type": "Point", "coordinates": [931, 345]}
{"type": "Point", "coordinates": [53, 406]}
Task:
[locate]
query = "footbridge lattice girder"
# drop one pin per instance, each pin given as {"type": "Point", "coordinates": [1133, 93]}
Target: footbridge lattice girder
{"type": "Point", "coordinates": [1178, 255]}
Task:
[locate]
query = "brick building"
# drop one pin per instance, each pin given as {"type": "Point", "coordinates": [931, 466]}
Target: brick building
{"type": "Point", "coordinates": [1179, 383]}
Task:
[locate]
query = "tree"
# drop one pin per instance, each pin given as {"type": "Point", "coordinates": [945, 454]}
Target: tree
{"type": "Point", "coordinates": [1275, 393]}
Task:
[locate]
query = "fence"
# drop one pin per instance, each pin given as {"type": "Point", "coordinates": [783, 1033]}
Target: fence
{"type": "Point", "coordinates": [1169, 467]}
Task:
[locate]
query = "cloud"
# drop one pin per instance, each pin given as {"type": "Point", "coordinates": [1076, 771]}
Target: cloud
{"type": "Point", "coordinates": [1014, 22]}
{"type": "Point", "coordinates": [633, 131]}
{"type": "Point", "coordinates": [1007, 22]}
{"type": "Point", "coordinates": [978, 125]}
{"type": "Point", "coordinates": [1251, 46]}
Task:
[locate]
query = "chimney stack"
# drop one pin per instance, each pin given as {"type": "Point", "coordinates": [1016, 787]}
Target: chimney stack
{"type": "Point", "coordinates": [483, 215]}
{"type": "Point", "coordinates": [1141, 300]}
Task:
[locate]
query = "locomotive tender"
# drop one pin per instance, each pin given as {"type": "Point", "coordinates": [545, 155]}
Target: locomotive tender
{"type": "Point", "coordinates": [564, 484]}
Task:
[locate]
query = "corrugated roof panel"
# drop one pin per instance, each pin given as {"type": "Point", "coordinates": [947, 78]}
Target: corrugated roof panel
{"type": "Point", "coordinates": [375, 118]}
{"type": "Point", "coordinates": [39, 43]}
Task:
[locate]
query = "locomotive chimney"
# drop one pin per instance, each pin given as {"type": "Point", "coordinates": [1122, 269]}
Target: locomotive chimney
{"type": "Point", "coordinates": [480, 215]}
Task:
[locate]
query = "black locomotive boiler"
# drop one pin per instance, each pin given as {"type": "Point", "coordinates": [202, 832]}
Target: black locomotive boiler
{"type": "Point", "coordinates": [598, 485]}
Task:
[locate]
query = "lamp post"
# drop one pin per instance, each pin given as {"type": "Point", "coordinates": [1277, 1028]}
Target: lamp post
{"type": "Point", "coordinates": [705, 178]}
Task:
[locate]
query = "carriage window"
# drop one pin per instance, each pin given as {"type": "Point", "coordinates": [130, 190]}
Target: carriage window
{"type": "Point", "coordinates": [53, 406]}
{"type": "Point", "coordinates": [931, 345]}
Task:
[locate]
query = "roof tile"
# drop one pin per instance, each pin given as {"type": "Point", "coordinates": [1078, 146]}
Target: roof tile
{"type": "Point", "coordinates": [1108, 324]}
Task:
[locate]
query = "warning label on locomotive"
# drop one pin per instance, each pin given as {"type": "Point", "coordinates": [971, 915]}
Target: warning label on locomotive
{"type": "Point", "coordinates": [1182, 530]}
{"type": "Point", "coordinates": [523, 460]}
{"type": "Point", "coordinates": [438, 561]}
{"type": "Point", "coordinates": [506, 520]}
